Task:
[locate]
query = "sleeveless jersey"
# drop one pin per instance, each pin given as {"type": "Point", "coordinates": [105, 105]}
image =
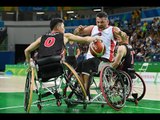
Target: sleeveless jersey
{"type": "Point", "coordinates": [107, 37]}
{"type": "Point", "coordinates": [51, 44]}
{"type": "Point", "coordinates": [128, 60]}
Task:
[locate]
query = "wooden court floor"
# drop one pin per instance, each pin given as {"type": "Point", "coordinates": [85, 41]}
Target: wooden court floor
{"type": "Point", "coordinates": [12, 96]}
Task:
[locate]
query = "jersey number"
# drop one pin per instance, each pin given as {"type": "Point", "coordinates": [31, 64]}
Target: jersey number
{"type": "Point", "coordinates": [49, 42]}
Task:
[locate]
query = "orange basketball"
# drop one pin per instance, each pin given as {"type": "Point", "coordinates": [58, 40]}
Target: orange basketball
{"type": "Point", "coordinates": [97, 48]}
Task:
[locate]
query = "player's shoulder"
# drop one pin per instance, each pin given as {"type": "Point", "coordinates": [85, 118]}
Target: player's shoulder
{"type": "Point", "coordinates": [122, 47]}
{"type": "Point", "coordinates": [115, 28]}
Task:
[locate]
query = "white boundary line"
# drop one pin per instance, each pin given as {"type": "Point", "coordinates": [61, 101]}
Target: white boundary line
{"type": "Point", "coordinates": [10, 107]}
{"type": "Point", "coordinates": [2, 76]}
{"type": "Point", "coordinates": [137, 107]}
{"type": "Point", "coordinates": [143, 108]}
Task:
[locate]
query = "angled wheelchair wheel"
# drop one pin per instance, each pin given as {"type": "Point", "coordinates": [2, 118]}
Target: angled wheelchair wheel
{"type": "Point", "coordinates": [127, 82]}
{"type": "Point", "coordinates": [138, 87]}
{"type": "Point", "coordinates": [74, 89]}
{"type": "Point", "coordinates": [28, 90]}
{"type": "Point", "coordinates": [112, 88]}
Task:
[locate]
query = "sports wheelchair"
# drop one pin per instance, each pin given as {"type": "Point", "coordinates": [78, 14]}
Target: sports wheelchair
{"type": "Point", "coordinates": [108, 90]}
{"type": "Point", "coordinates": [117, 87]}
{"type": "Point", "coordinates": [65, 84]}
{"type": "Point", "coordinates": [61, 85]}
{"type": "Point", "coordinates": [135, 85]}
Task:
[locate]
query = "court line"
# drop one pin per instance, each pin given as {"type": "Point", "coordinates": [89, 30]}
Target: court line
{"type": "Point", "coordinates": [5, 77]}
{"type": "Point", "coordinates": [12, 107]}
{"type": "Point", "coordinates": [143, 108]}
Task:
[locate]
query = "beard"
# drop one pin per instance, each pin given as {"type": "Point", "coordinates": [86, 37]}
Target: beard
{"type": "Point", "coordinates": [102, 27]}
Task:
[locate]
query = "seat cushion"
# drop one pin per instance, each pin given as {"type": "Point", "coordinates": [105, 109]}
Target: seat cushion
{"type": "Point", "coordinates": [50, 71]}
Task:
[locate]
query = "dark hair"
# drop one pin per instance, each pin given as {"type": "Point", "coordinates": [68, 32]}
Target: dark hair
{"type": "Point", "coordinates": [55, 21]}
{"type": "Point", "coordinates": [102, 14]}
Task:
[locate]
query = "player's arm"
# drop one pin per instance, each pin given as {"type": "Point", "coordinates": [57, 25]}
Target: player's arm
{"type": "Point", "coordinates": [83, 30]}
{"type": "Point", "coordinates": [79, 39]}
{"type": "Point", "coordinates": [120, 53]}
{"type": "Point", "coordinates": [64, 54]}
{"type": "Point", "coordinates": [119, 35]}
{"type": "Point", "coordinates": [64, 51]}
{"type": "Point", "coordinates": [78, 52]}
{"type": "Point", "coordinates": [33, 46]}
{"type": "Point", "coordinates": [65, 39]}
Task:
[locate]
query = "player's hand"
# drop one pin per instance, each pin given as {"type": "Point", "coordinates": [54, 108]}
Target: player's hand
{"type": "Point", "coordinates": [97, 39]}
{"type": "Point", "coordinates": [32, 63]}
{"type": "Point", "coordinates": [79, 29]}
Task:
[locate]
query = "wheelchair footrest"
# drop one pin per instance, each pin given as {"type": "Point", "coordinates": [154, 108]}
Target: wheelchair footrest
{"type": "Point", "coordinates": [46, 94]}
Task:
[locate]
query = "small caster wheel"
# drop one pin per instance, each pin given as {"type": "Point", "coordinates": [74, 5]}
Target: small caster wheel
{"type": "Point", "coordinates": [84, 106]}
{"type": "Point", "coordinates": [59, 103]}
{"type": "Point", "coordinates": [64, 95]}
{"type": "Point", "coordinates": [68, 105]}
{"type": "Point", "coordinates": [102, 105]}
{"type": "Point", "coordinates": [136, 102]}
{"type": "Point", "coordinates": [39, 106]}
{"type": "Point", "coordinates": [36, 91]}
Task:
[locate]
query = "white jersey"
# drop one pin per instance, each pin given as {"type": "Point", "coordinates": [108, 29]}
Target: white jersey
{"type": "Point", "coordinates": [108, 39]}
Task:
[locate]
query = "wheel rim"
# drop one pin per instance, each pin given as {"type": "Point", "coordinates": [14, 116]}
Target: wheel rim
{"type": "Point", "coordinates": [113, 91]}
{"type": "Point", "coordinates": [75, 84]}
{"type": "Point", "coordinates": [28, 90]}
{"type": "Point", "coordinates": [127, 82]}
{"type": "Point", "coordinates": [139, 87]}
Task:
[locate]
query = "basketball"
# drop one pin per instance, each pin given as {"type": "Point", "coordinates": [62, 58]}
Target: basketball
{"type": "Point", "coordinates": [97, 48]}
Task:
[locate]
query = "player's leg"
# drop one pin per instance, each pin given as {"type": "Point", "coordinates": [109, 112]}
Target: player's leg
{"type": "Point", "coordinates": [88, 67]}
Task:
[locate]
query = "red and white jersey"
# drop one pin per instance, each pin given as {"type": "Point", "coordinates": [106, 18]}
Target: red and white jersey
{"type": "Point", "coordinates": [108, 39]}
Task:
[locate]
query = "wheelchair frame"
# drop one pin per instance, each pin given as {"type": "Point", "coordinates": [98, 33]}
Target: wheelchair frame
{"type": "Point", "coordinates": [111, 90]}
{"type": "Point", "coordinates": [105, 91]}
{"type": "Point", "coordinates": [32, 81]}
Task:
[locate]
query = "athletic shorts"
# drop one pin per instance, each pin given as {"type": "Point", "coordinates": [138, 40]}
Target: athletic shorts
{"type": "Point", "coordinates": [88, 66]}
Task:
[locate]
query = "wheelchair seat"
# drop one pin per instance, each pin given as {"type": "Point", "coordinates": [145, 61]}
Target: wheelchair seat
{"type": "Point", "coordinates": [49, 67]}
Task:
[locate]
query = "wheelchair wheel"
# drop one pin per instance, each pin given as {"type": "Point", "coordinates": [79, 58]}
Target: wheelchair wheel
{"type": "Point", "coordinates": [112, 88]}
{"type": "Point", "coordinates": [138, 87]}
{"type": "Point", "coordinates": [74, 89]}
{"type": "Point", "coordinates": [127, 82]}
{"type": "Point", "coordinates": [28, 90]}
